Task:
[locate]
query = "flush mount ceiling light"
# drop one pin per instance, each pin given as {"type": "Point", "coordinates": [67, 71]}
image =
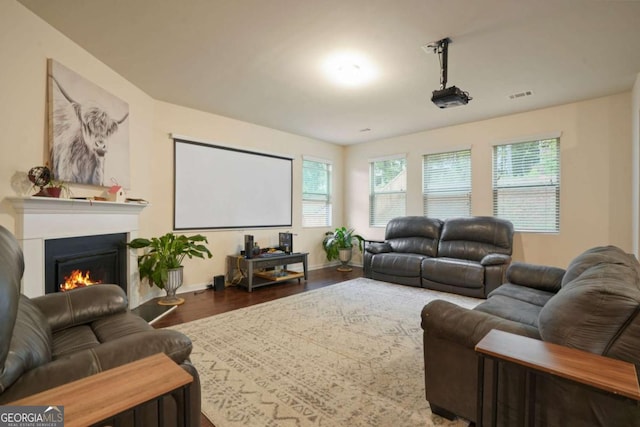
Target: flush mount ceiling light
{"type": "Point", "coordinates": [349, 69]}
{"type": "Point", "coordinates": [446, 97]}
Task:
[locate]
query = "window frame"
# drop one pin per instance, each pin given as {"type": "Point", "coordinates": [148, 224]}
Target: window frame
{"type": "Point", "coordinates": [529, 188]}
{"type": "Point", "coordinates": [324, 199]}
{"type": "Point", "coordinates": [374, 195]}
{"type": "Point", "coordinates": [461, 192]}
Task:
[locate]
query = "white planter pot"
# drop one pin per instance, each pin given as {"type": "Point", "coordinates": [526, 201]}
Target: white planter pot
{"type": "Point", "coordinates": [345, 256]}
{"type": "Point", "coordinates": [174, 281]}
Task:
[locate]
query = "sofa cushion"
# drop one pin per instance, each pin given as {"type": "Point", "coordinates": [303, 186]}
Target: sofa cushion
{"type": "Point", "coordinates": [72, 340]}
{"type": "Point", "coordinates": [397, 264]}
{"type": "Point", "coordinates": [455, 272]}
{"type": "Point", "coordinates": [594, 256]}
{"type": "Point", "coordinates": [523, 293]}
{"type": "Point", "coordinates": [599, 306]}
{"type": "Point", "coordinates": [506, 307]}
{"type": "Point", "coordinates": [414, 234]}
{"type": "Point", "coordinates": [119, 325]}
{"type": "Point", "coordinates": [473, 238]}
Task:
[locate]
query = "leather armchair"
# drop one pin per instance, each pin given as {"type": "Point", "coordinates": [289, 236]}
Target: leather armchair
{"type": "Point", "coordinates": [593, 306]}
{"type": "Point", "coordinates": [58, 338]}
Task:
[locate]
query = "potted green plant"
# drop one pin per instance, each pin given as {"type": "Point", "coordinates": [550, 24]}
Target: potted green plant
{"type": "Point", "coordinates": [339, 244]}
{"type": "Point", "coordinates": [56, 188]}
{"type": "Point", "coordinates": [161, 262]}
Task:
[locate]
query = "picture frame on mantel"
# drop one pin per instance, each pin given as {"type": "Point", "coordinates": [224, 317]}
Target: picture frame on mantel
{"type": "Point", "coordinates": [88, 130]}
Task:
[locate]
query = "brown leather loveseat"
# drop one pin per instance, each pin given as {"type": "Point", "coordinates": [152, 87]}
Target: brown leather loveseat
{"type": "Point", "coordinates": [58, 338]}
{"type": "Point", "coordinates": [593, 306]}
{"type": "Point", "coordinates": [467, 256]}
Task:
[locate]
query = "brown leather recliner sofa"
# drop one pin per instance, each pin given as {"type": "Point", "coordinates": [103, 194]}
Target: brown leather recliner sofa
{"type": "Point", "coordinates": [467, 256]}
{"type": "Point", "coordinates": [593, 306]}
{"type": "Point", "coordinates": [58, 338]}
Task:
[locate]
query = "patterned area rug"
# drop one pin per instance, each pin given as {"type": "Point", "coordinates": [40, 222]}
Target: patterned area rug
{"type": "Point", "coordinates": [345, 355]}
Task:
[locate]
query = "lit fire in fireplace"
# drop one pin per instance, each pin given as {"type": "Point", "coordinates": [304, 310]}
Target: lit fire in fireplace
{"type": "Point", "coordinates": [77, 280]}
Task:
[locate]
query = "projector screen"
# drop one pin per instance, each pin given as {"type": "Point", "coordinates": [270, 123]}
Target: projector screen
{"type": "Point", "coordinates": [222, 187]}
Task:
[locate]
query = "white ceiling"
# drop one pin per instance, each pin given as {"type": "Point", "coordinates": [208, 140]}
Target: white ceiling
{"type": "Point", "coordinates": [262, 61]}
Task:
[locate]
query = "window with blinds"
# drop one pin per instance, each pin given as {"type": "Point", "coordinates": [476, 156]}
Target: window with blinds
{"type": "Point", "coordinates": [446, 184]}
{"type": "Point", "coordinates": [316, 193]}
{"type": "Point", "coordinates": [387, 197]}
{"type": "Point", "coordinates": [526, 184]}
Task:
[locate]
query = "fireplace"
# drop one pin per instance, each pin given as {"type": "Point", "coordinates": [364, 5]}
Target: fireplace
{"type": "Point", "coordinates": [85, 260]}
{"type": "Point", "coordinates": [40, 219]}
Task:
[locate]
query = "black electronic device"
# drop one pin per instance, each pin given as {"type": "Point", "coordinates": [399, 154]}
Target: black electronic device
{"type": "Point", "coordinates": [285, 242]}
{"type": "Point", "coordinates": [446, 97]}
{"type": "Point", "coordinates": [450, 97]}
{"type": "Point", "coordinates": [248, 246]}
{"type": "Point", "coordinates": [218, 283]}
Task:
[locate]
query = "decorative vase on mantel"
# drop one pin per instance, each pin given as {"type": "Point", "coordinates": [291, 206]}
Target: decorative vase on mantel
{"type": "Point", "coordinates": [174, 281]}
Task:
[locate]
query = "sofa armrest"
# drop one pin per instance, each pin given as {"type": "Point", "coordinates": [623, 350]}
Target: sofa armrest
{"type": "Point", "coordinates": [105, 356]}
{"type": "Point", "coordinates": [495, 259]}
{"type": "Point", "coordinates": [378, 247]}
{"type": "Point", "coordinates": [79, 306]}
{"type": "Point", "coordinates": [467, 327]}
{"type": "Point", "coordinates": [539, 277]}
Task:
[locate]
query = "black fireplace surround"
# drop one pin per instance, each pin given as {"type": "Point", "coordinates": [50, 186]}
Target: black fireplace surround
{"type": "Point", "coordinates": [104, 256]}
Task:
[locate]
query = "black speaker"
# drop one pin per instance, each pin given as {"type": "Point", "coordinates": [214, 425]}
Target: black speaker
{"type": "Point", "coordinates": [285, 242]}
{"type": "Point", "coordinates": [248, 246]}
{"type": "Point", "coordinates": [218, 283]}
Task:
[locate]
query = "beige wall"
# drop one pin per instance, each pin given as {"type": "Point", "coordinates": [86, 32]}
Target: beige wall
{"type": "Point", "coordinates": [25, 44]}
{"type": "Point", "coordinates": [595, 204]}
{"type": "Point", "coordinates": [233, 133]}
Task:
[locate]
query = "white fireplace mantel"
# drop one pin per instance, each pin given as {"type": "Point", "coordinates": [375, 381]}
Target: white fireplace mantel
{"type": "Point", "coordinates": [41, 218]}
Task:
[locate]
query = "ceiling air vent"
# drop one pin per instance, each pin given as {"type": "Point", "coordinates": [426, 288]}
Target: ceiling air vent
{"type": "Point", "coordinates": [522, 94]}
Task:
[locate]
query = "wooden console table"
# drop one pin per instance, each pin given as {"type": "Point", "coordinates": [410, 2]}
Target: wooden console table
{"type": "Point", "coordinates": [237, 264]}
{"type": "Point", "coordinates": [538, 357]}
{"type": "Point", "coordinates": [104, 395]}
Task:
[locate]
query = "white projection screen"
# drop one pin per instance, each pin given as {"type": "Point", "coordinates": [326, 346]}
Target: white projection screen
{"type": "Point", "coordinates": [222, 187]}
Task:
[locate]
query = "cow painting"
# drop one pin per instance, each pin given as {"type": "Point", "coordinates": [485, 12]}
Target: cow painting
{"type": "Point", "coordinates": [85, 130]}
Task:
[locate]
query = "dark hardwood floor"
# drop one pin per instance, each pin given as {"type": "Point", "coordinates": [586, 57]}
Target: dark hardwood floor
{"type": "Point", "coordinates": [205, 303]}
{"type": "Point", "coordinates": [201, 304]}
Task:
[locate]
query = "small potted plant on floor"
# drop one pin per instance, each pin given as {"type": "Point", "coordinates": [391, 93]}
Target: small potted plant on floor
{"type": "Point", "coordinates": [339, 244]}
{"type": "Point", "coordinates": [161, 262]}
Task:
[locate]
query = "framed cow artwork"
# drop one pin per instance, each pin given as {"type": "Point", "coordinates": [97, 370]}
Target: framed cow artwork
{"type": "Point", "coordinates": [88, 130]}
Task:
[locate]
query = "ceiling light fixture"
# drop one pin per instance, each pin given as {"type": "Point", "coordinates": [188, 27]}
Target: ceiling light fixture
{"type": "Point", "coordinates": [446, 97]}
{"type": "Point", "coordinates": [349, 69]}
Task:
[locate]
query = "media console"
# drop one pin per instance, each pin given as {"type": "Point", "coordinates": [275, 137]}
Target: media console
{"type": "Point", "coordinates": [252, 272]}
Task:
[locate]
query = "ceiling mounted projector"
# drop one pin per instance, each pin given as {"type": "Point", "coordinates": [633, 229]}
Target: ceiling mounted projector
{"type": "Point", "coordinates": [446, 97]}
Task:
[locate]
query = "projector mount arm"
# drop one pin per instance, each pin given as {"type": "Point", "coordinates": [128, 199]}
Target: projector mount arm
{"type": "Point", "coordinates": [441, 47]}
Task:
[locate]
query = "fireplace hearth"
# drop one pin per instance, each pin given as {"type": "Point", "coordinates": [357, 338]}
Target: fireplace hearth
{"type": "Point", "coordinates": [85, 260]}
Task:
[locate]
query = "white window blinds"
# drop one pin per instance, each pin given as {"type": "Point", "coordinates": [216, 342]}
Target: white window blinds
{"type": "Point", "coordinates": [526, 184]}
{"type": "Point", "coordinates": [446, 187]}
{"type": "Point", "coordinates": [387, 197]}
{"type": "Point", "coordinates": [316, 193]}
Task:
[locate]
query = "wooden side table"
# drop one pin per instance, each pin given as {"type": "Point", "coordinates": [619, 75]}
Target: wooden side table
{"type": "Point", "coordinates": [102, 396]}
{"type": "Point", "coordinates": [538, 357]}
